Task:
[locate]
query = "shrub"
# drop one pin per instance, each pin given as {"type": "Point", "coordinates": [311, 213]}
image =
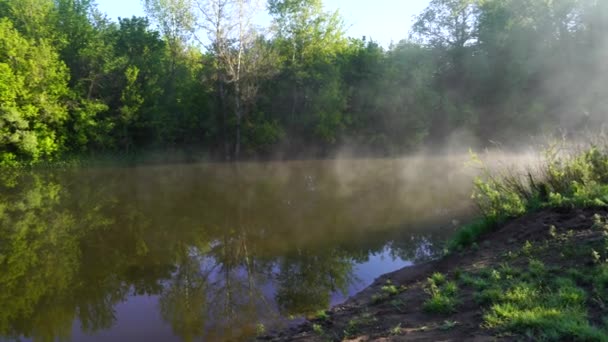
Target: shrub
{"type": "Point", "coordinates": [564, 180]}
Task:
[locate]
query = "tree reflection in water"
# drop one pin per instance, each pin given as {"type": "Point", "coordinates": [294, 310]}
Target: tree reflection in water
{"type": "Point", "coordinates": [221, 248]}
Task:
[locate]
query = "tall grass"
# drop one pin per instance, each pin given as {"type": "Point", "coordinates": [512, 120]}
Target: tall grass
{"type": "Point", "coordinates": [576, 177]}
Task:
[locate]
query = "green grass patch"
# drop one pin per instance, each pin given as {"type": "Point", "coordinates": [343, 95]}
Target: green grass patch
{"type": "Point", "coordinates": [470, 233]}
{"type": "Point", "coordinates": [443, 295]}
{"type": "Point", "coordinates": [538, 302]}
{"type": "Point", "coordinates": [387, 291]}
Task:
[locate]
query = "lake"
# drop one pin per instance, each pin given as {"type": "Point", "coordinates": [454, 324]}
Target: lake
{"type": "Point", "coordinates": [211, 251]}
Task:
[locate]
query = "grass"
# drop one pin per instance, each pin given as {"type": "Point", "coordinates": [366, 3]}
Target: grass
{"type": "Point", "coordinates": [540, 299]}
{"type": "Point", "coordinates": [387, 291]}
{"type": "Point", "coordinates": [578, 179]}
{"type": "Point", "coordinates": [321, 315]}
{"type": "Point", "coordinates": [443, 297]}
{"type": "Point", "coordinates": [541, 302]}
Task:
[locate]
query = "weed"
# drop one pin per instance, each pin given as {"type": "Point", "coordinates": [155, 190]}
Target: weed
{"type": "Point", "coordinates": [448, 325]}
{"type": "Point", "coordinates": [318, 329]}
{"type": "Point", "coordinates": [537, 268]}
{"type": "Point", "coordinates": [321, 315]}
{"type": "Point", "coordinates": [597, 257]}
{"type": "Point", "coordinates": [469, 233]}
{"type": "Point", "coordinates": [475, 282]}
{"type": "Point", "coordinates": [437, 278]}
{"type": "Point", "coordinates": [390, 290]}
{"type": "Point", "coordinates": [387, 291]}
{"type": "Point", "coordinates": [396, 330]}
{"type": "Point", "coordinates": [553, 231]}
{"type": "Point", "coordinates": [527, 248]}
{"type": "Point", "coordinates": [260, 329]}
{"type": "Point", "coordinates": [488, 296]}
{"type": "Point", "coordinates": [443, 295]}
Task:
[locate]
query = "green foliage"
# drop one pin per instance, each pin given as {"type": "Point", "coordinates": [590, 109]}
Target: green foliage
{"type": "Point", "coordinates": [321, 315]}
{"type": "Point", "coordinates": [577, 180]}
{"type": "Point", "coordinates": [396, 330]}
{"type": "Point", "coordinates": [469, 233]}
{"type": "Point", "coordinates": [497, 70]}
{"type": "Point", "coordinates": [32, 94]}
{"type": "Point", "coordinates": [537, 303]}
{"type": "Point", "coordinates": [388, 290]}
{"type": "Point", "coordinates": [443, 295]}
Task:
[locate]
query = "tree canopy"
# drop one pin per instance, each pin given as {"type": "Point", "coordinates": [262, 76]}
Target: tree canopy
{"type": "Point", "coordinates": [197, 75]}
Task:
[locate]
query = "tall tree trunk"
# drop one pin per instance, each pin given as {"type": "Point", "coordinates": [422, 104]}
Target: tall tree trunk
{"type": "Point", "coordinates": [237, 83]}
{"type": "Point", "coordinates": [221, 96]}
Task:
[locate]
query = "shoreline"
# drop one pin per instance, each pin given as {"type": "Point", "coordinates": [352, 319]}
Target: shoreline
{"type": "Point", "coordinates": [396, 305]}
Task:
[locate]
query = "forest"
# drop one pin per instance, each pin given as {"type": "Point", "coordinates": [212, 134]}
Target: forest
{"type": "Point", "coordinates": [198, 76]}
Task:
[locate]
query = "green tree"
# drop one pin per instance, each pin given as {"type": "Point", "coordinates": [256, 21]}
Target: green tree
{"type": "Point", "coordinates": [32, 96]}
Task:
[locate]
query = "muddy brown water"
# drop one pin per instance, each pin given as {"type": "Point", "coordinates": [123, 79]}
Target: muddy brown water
{"type": "Point", "coordinates": [211, 251]}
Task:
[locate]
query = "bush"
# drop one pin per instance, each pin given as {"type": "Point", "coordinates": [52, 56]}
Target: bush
{"type": "Point", "coordinates": [564, 180]}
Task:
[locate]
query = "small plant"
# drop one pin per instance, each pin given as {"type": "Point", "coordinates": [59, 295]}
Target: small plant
{"type": "Point", "coordinates": [488, 296]}
{"type": "Point", "coordinates": [321, 315]}
{"type": "Point", "coordinates": [599, 223]}
{"type": "Point", "coordinates": [260, 329]}
{"type": "Point", "coordinates": [527, 248]}
{"type": "Point", "coordinates": [508, 271]}
{"type": "Point", "coordinates": [448, 325]}
{"type": "Point", "coordinates": [390, 290]}
{"type": "Point", "coordinates": [318, 329]}
{"type": "Point", "coordinates": [553, 231]}
{"type": "Point", "coordinates": [437, 278]}
{"type": "Point", "coordinates": [396, 330]}
{"type": "Point", "coordinates": [597, 257]}
{"type": "Point", "coordinates": [495, 275]}
{"type": "Point", "coordinates": [443, 297]}
{"type": "Point", "coordinates": [474, 281]}
{"type": "Point", "coordinates": [536, 267]}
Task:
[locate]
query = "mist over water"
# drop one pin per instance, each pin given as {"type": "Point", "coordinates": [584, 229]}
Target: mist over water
{"type": "Point", "coordinates": [213, 251]}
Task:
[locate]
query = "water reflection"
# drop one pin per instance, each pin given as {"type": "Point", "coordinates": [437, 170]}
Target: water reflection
{"type": "Point", "coordinates": [215, 250]}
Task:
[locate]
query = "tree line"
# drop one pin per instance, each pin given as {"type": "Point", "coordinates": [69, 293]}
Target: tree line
{"type": "Point", "coordinates": [197, 74]}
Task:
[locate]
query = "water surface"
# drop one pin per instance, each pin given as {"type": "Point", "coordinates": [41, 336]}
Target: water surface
{"type": "Point", "coordinates": [211, 251]}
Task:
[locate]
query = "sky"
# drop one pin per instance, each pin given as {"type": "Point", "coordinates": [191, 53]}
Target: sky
{"type": "Point", "coordinates": [384, 21]}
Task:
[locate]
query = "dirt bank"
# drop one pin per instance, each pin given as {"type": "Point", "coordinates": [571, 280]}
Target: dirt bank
{"type": "Point", "coordinates": [396, 306]}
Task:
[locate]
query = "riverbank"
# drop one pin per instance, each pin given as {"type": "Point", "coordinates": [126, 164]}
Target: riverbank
{"type": "Point", "coordinates": [534, 266]}
{"type": "Point", "coordinates": [541, 276]}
